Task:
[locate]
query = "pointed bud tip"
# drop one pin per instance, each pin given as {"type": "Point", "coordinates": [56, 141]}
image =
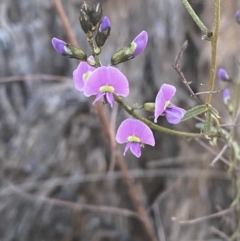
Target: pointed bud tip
{"type": "Point", "coordinates": [223, 75]}
{"type": "Point", "coordinates": [105, 24]}
{"type": "Point", "coordinates": [140, 43]}
{"type": "Point", "coordinates": [59, 46]}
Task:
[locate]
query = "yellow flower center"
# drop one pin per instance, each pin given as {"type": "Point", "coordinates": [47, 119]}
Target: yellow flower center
{"type": "Point", "coordinates": [106, 88]}
{"type": "Point", "coordinates": [167, 104]}
{"type": "Point", "coordinates": [134, 139]}
{"type": "Point", "coordinates": [85, 76]}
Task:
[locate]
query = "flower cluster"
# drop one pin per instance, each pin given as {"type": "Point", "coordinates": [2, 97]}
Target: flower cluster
{"type": "Point", "coordinates": [106, 82]}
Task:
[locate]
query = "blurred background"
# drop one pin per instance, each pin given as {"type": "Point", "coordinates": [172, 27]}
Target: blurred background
{"type": "Point", "coordinates": [53, 146]}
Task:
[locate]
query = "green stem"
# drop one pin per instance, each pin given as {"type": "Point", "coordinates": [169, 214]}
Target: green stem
{"type": "Point", "coordinates": [195, 17]}
{"type": "Point", "coordinates": [214, 39]}
{"type": "Point", "coordinates": [95, 55]}
{"type": "Point", "coordinates": [153, 126]}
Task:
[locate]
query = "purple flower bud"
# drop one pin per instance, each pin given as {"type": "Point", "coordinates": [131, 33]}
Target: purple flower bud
{"type": "Point", "coordinates": [59, 46]}
{"type": "Point", "coordinates": [223, 75]}
{"type": "Point", "coordinates": [139, 44]}
{"type": "Point", "coordinates": [226, 96]}
{"type": "Point", "coordinates": [135, 133]}
{"type": "Point", "coordinates": [105, 24]}
{"type": "Point", "coordinates": [237, 16]}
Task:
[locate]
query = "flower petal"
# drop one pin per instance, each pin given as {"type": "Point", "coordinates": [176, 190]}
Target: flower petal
{"type": "Point", "coordinates": [81, 74]}
{"type": "Point", "coordinates": [165, 94]}
{"type": "Point", "coordinates": [174, 114]}
{"type": "Point", "coordinates": [110, 98]}
{"type": "Point", "coordinates": [106, 76]}
{"type": "Point", "coordinates": [135, 149]}
{"type": "Point", "coordinates": [127, 147]}
{"type": "Point", "coordinates": [140, 43]}
{"type": "Point", "coordinates": [98, 97]}
{"type": "Point", "coordinates": [131, 127]}
{"type": "Point", "coordinates": [59, 46]}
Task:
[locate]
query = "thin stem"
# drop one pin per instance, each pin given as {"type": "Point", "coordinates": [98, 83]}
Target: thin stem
{"type": "Point", "coordinates": [195, 17]}
{"type": "Point", "coordinates": [151, 124]}
{"type": "Point", "coordinates": [214, 39]}
{"type": "Point", "coordinates": [95, 55]}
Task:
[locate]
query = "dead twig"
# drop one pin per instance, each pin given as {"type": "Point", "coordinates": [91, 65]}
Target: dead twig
{"type": "Point", "coordinates": [177, 67]}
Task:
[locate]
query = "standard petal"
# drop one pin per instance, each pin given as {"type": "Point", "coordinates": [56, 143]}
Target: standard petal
{"type": "Point", "coordinates": [125, 130]}
{"type": "Point", "coordinates": [118, 80]}
{"type": "Point", "coordinates": [165, 94]}
{"type": "Point", "coordinates": [110, 98]}
{"type": "Point", "coordinates": [135, 149]}
{"type": "Point", "coordinates": [127, 147]}
{"type": "Point", "coordinates": [143, 132]}
{"type": "Point", "coordinates": [97, 79]}
{"type": "Point", "coordinates": [174, 114]}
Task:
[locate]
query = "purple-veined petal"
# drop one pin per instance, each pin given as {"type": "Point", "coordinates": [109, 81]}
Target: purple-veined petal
{"type": "Point", "coordinates": [136, 149]}
{"type": "Point", "coordinates": [106, 76]}
{"type": "Point", "coordinates": [139, 43]}
{"type": "Point", "coordinates": [164, 95]}
{"type": "Point", "coordinates": [127, 147]}
{"type": "Point", "coordinates": [81, 74]}
{"type": "Point", "coordinates": [98, 97]}
{"type": "Point", "coordinates": [59, 45]}
{"type": "Point", "coordinates": [130, 127]}
{"type": "Point", "coordinates": [174, 114]}
{"type": "Point", "coordinates": [110, 98]}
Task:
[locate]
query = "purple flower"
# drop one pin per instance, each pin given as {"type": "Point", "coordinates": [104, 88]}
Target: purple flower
{"type": "Point", "coordinates": [163, 105]}
{"type": "Point", "coordinates": [135, 133]}
{"type": "Point", "coordinates": [105, 24]}
{"type": "Point", "coordinates": [81, 74]}
{"type": "Point", "coordinates": [59, 46]}
{"type": "Point", "coordinates": [138, 44]}
{"type": "Point", "coordinates": [237, 16]}
{"type": "Point", "coordinates": [104, 82]}
{"type": "Point", "coordinates": [223, 75]}
{"type": "Point", "coordinates": [226, 95]}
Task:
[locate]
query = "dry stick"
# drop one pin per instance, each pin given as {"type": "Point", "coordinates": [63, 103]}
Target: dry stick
{"type": "Point", "coordinates": [177, 67]}
{"type": "Point", "coordinates": [14, 78]}
{"type": "Point", "coordinates": [110, 133]}
{"type": "Point", "coordinates": [219, 155]}
{"type": "Point", "coordinates": [201, 219]}
{"type": "Point", "coordinates": [220, 234]}
{"type": "Point", "coordinates": [76, 206]}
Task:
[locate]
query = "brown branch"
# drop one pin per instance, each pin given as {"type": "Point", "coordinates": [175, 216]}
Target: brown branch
{"type": "Point", "coordinates": [76, 206]}
{"type": "Point", "coordinates": [201, 219]}
{"type": "Point", "coordinates": [16, 78]}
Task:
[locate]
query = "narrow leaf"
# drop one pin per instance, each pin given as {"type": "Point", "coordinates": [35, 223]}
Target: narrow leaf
{"type": "Point", "coordinates": [207, 124]}
{"type": "Point", "coordinates": [197, 110]}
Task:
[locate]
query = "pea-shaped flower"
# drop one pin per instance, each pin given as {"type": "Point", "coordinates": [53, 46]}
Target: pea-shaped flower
{"type": "Point", "coordinates": [135, 133]}
{"type": "Point", "coordinates": [104, 82]}
{"type": "Point", "coordinates": [81, 74]}
{"type": "Point", "coordinates": [163, 105]}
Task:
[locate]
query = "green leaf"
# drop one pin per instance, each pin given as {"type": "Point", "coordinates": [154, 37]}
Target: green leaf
{"type": "Point", "coordinates": [197, 110]}
{"type": "Point", "coordinates": [207, 124]}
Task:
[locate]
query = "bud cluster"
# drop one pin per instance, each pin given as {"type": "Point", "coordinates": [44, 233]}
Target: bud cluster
{"type": "Point", "coordinates": [107, 83]}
